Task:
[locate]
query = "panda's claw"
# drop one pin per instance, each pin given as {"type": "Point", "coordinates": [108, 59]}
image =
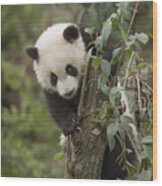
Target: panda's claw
{"type": "Point", "coordinates": [71, 130]}
{"type": "Point", "coordinates": [78, 129]}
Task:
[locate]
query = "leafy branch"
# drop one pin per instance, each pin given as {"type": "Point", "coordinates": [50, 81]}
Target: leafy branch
{"type": "Point", "coordinates": [125, 88]}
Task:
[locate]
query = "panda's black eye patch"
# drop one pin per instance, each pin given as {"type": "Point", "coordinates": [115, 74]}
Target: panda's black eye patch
{"type": "Point", "coordinates": [72, 71]}
{"type": "Point", "coordinates": [53, 79]}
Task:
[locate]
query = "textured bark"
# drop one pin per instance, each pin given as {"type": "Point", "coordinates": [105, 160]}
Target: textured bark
{"type": "Point", "coordinates": [86, 147]}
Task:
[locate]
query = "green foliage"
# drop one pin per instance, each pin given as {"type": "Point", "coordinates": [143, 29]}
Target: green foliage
{"type": "Point", "coordinates": [102, 84]}
{"type": "Point", "coordinates": [124, 10]}
{"type": "Point", "coordinates": [115, 56]}
{"type": "Point", "coordinates": [105, 67]}
{"type": "Point", "coordinates": [147, 148]}
{"type": "Point", "coordinates": [29, 137]}
{"type": "Point", "coordinates": [115, 95]}
{"type": "Point", "coordinates": [90, 30]}
{"type": "Point", "coordinates": [96, 63]}
{"type": "Point", "coordinates": [106, 31]}
{"type": "Point", "coordinates": [111, 133]}
{"type": "Point", "coordinates": [142, 37]}
{"type": "Point", "coordinates": [59, 156]}
{"type": "Point", "coordinates": [27, 130]}
{"type": "Point", "coordinates": [105, 108]}
{"type": "Point", "coordinates": [128, 92]}
{"type": "Point", "coordinates": [96, 13]}
{"type": "Point", "coordinates": [123, 34]}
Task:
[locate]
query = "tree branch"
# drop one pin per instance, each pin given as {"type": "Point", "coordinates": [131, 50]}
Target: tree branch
{"type": "Point", "coordinates": [135, 10]}
{"type": "Point", "coordinates": [121, 58]}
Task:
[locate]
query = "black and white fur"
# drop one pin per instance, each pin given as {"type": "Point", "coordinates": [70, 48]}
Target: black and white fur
{"type": "Point", "coordinates": [59, 61]}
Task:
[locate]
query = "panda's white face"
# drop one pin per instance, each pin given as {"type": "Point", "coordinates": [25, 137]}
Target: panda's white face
{"type": "Point", "coordinates": [60, 59]}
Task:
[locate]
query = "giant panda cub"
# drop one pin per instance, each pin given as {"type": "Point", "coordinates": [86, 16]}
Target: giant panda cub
{"type": "Point", "coordinates": [59, 62]}
{"type": "Point", "coordinates": [59, 59]}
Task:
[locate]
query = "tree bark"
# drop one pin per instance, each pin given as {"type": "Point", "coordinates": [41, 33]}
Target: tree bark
{"type": "Point", "coordinates": [86, 147]}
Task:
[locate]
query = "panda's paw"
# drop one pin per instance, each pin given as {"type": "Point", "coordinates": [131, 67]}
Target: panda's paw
{"type": "Point", "coordinates": [63, 142]}
{"type": "Point", "coordinates": [70, 130]}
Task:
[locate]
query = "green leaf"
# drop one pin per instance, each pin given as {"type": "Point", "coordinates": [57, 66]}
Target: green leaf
{"type": "Point", "coordinates": [143, 155]}
{"type": "Point", "coordinates": [122, 128]}
{"type": "Point", "coordinates": [113, 17]}
{"type": "Point", "coordinates": [115, 95]}
{"type": "Point", "coordinates": [129, 44]}
{"type": "Point", "coordinates": [102, 80]}
{"type": "Point", "coordinates": [123, 34]}
{"type": "Point", "coordinates": [93, 15]}
{"type": "Point", "coordinates": [143, 65]}
{"type": "Point", "coordinates": [150, 35]}
{"type": "Point", "coordinates": [142, 113]}
{"type": "Point", "coordinates": [147, 139]}
{"type": "Point", "coordinates": [103, 110]}
{"type": "Point", "coordinates": [96, 63]}
{"type": "Point", "coordinates": [145, 175]}
{"type": "Point", "coordinates": [142, 37]}
{"type": "Point", "coordinates": [90, 30]}
{"type": "Point", "coordinates": [106, 90]}
{"type": "Point", "coordinates": [102, 84]}
{"type": "Point", "coordinates": [89, 54]}
{"type": "Point", "coordinates": [126, 119]}
{"type": "Point", "coordinates": [132, 37]}
{"type": "Point", "coordinates": [128, 53]}
{"type": "Point", "coordinates": [130, 99]}
{"type": "Point", "coordinates": [115, 55]}
{"type": "Point", "coordinates": [59, 156]}
{"type": "Point", "coordinates": [112, 130]}
{"type": "Point", "coordinates": [147, 148]}
{"type": "Point", "coordinates": [106, 67]}
{"type": "Point", "coordinates": [124, 10]}
{"type": "Point", "coordinates": [131, 169]}
{"type": "Point", "coordinates": [116, 130]}
{"type": "Point", "coordinates": [99, 44]}
{"type": "Point", "coordinates": [106, 31]}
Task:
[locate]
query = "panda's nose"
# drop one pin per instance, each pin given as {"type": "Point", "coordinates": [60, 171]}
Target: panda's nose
{"type": "Point", "coordinates": [69, 93]}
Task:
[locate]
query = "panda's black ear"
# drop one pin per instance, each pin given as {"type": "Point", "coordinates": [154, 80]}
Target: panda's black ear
{"type": "Point", "coordinates": [71, 33]}
{"type": "Point", "coordinates": [32, 52]}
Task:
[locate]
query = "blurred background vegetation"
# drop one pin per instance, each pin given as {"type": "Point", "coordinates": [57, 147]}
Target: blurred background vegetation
{"type": "Point", "coordinates": [30, 139]}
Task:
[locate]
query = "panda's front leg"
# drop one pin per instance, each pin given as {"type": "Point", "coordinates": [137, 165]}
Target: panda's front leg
{"type": "Point", "coordinates": [71, 130]}
{"type": "Point", "coordinates": [65, 117]}
{"type": "Point", "coordinates": [63, 112]}
{"type": "Point", "coordinates": [70, 127]}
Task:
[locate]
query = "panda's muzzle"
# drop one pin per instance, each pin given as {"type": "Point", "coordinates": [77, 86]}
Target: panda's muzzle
{"type": "Point", "coordinates": [70, 93]}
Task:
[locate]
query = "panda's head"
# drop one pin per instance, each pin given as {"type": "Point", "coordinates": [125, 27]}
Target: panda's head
{"type": "Point", "coordinates": [59, 59]}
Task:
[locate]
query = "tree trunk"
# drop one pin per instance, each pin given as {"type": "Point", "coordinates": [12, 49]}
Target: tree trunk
{"type": "Point", "coordinates": [86, 147]}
